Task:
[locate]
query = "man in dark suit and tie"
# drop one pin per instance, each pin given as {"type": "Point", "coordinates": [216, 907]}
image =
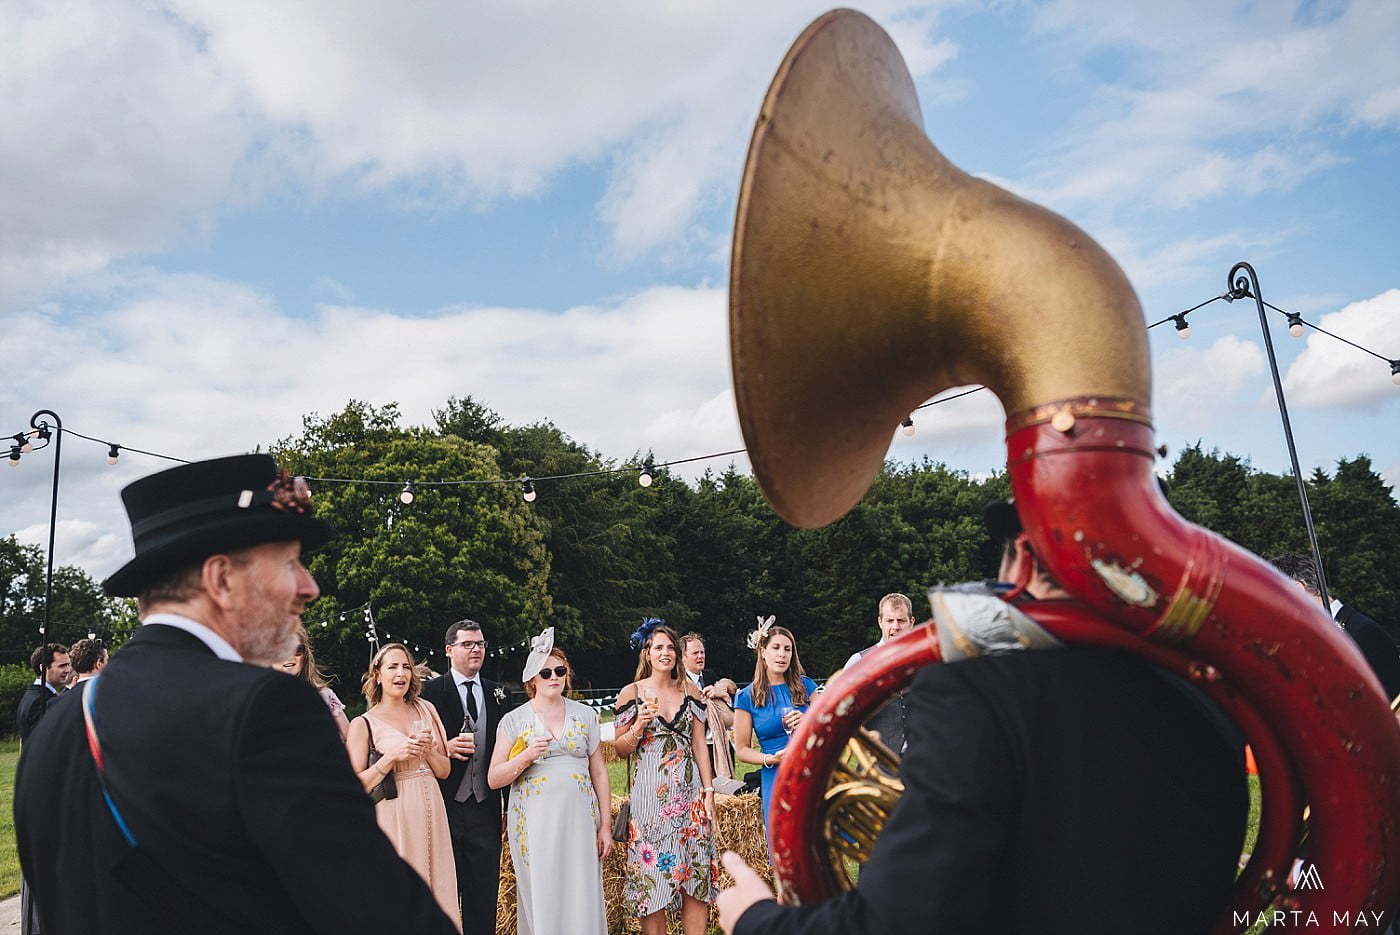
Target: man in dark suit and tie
{"type": "Point", "coordinates": [190, 787]}
{"type": "Point", "coordinates": [466, 700]}
{"type": "Point", "coordinates": [51, 667]}
{"type": "Point", "coordinates": [1378, 648]}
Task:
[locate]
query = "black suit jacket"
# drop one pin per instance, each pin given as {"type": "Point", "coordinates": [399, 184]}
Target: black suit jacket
{"type": "Point", "coordinates": [443, 693]}
{"type": "Point", "coordinates": [1062, 792]}
{"type": "Point", "coordinates": [31, 708]}
{"type": "Point", "coordinates": [1376, 645]}
{"type": "Point", "coordinates": [239, 794]}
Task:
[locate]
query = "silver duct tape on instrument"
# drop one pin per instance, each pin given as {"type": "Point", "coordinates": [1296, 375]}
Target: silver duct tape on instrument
{"type": "Point", "coordinates": [972, 620]}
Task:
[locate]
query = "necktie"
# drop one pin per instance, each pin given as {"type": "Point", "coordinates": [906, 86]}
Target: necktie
{"type": "Point", "coordinates": [470, 686]}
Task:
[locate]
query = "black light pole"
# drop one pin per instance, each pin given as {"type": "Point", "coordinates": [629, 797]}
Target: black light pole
{"type": "Point", "coordinates": [1243, 288]}
{"type": "Point", "coordinates": [42, 425]}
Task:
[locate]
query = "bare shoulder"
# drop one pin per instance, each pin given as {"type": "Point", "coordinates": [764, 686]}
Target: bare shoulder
{"type": "Point", "coordinates": [692, 692]}
{"type": "Point", "coordinates": [628, 693]}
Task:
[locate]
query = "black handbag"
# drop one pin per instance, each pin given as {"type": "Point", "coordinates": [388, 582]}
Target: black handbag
{"type": "Point", "coordinates": [388, 787]}
{"type": "Point", "coordinates": [623, 819]}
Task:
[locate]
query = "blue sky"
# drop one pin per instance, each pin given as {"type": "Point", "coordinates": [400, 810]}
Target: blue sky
{"type": "Point", "coordinates": [220, 217]}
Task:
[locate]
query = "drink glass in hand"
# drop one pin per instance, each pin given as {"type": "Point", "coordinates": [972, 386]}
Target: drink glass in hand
{"type": "Point", "coordinates": [652, 702]}
{"type": "Point", "coordinates": [420, 727]}
{"type": "Point", "coordinates": [786, 714]}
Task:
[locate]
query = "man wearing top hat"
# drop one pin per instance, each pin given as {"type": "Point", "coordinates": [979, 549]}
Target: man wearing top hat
{"type": "Point", "coordinates": [194, 789]}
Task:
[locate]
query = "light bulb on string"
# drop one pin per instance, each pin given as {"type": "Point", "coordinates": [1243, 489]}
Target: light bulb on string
{"type": "Point", "coordinates": [113, 452]}
{"type": "Point", "coordinates": [645, 477]}
{"type": "Point", "coordinates": [1395, 372]}
{"type": "Point", "coordinates": [1295, 324]}
{"type": "Point", "coordinates": [1183, 330]}
{"type": "Point", "coordinates": [907, 426]}
{"type": "Point", "coordinates": [14, 456]}
{"type": "Point", "coordinates": [23, 443]}
{"type": "Point", "coordinates": [527, 490]}
{"type": "Point", "coordinates": [43, 432]}
{"type": "Point", "coordinates": [406, 496]}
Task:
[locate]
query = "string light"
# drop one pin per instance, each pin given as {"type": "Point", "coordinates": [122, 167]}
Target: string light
{"type": "Point", "coordinates": [113, 453]}
{"type": "Point", "coordinates": [406, 497]}
{"type": "Point", "coordinates": [1395, 372]}
{"type": "Point", "coordinates": [527, 490]}
{"type": "Point", "coordinates": [22, 441]}
{"type": "Point", "coordinates": [907, 426]}
{"type": "Point", "coordinates": [1295, 324]}
{"type": "Point", "coordinates": [14, 456]}
{"type": "Point", "coordinates": [644, 478]}
{"type": "Point", "coordinates": [1183, 330]}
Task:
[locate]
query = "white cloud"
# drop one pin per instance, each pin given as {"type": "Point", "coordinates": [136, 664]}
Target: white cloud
{"type": "Point", "coordinates": [1253, 104]}
{"type": "Point", "coordinates": [197, 367]}
{"type": "Point", "coordinates": [128, 125]}
{"type": "Point", "coordinates": [119, 135]}
{"type": "Point", "coordinates": [81, 543]}
{"type": "Point", "coordinates": [1328, 373]}
{"type": "Point", "coordinates": [1192, 384]}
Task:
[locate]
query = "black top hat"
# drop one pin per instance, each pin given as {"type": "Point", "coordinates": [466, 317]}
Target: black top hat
{"type": "Point", "coordinates": [190, 512]}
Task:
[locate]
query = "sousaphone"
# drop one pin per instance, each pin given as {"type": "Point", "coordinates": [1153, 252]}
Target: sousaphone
{"type": "Point", "coordinates": [870, 273]}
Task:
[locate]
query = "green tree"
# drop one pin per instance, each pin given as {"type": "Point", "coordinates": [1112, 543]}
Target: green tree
{"type": "Point", "coordinates": [454, 551]}
{"type": "Point", "coordinates": [79, 606]}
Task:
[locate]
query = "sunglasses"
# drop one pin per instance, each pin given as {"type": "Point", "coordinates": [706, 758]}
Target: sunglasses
{"type": "Point", "coordinates": [557, 672]}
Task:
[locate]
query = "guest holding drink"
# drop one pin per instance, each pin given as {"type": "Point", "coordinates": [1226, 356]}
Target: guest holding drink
{"type": "Point", "coordinates": [302, 664]}
{"type": "Point", "coordinates": [407, 733]}
{"type": "Point", "coordinates": [670, 852]}
{"type": "Point", "coordinates": [770, 708]}
{"type": "Point", "coordinates": [472, 706]}
{"type": "Point", "coordinates": [548, 752]}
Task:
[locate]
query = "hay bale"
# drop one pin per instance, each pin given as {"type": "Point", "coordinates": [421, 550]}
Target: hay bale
{"type": "Point", "coordinates": [739, 827]}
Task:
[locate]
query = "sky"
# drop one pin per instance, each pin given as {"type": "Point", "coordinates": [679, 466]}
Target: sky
{"type": "Point", "coordinates": [216, 218]}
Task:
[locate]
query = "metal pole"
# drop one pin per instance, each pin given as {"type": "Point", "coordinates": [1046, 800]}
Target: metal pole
{"type": "Point", "coordinates": [36, 423]}
{"type": "Point", "coordinates": [1241, 288]}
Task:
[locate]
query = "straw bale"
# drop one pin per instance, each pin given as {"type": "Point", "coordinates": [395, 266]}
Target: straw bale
{"type": "Point", "coordinates": [739, 827]}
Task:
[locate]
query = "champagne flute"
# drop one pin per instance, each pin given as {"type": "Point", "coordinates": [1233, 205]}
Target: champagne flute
{"type": "Point", "coordinates": [784, 713]}
{"type": "Point", "coordinates": [420, 727]}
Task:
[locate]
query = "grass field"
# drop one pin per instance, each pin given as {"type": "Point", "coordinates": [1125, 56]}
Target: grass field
{"type": "Point", "coordinates": [9, 859]}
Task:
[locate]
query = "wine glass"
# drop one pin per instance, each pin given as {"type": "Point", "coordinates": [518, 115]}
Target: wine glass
{"type": "Point", "coordinates": [420, 727]}
{"type": "Point", "coordinates": [784, 713]}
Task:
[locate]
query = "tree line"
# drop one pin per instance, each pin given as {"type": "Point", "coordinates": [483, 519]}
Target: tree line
{"type": "Point", "coordinates": [593, 556]}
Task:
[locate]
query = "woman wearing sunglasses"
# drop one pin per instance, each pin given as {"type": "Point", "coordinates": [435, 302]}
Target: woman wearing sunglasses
{"type": "Point", "coordinates": [547, 750]}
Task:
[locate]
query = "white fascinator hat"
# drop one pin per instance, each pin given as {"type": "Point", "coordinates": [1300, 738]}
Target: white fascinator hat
{"type": "Point", "coordinates": [540, 648]}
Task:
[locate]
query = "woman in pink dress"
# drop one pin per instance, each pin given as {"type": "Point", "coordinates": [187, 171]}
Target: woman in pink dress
{"type": "Point", "coordinates": [303, 666]}
{"type": "Point", "coordinates": [407, 732]}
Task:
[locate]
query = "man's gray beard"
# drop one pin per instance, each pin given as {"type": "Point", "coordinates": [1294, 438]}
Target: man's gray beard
{"type": "Point", "coordinates": [265, 646]}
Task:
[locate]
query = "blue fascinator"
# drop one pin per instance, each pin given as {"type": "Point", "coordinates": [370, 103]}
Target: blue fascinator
{"type": "Point", "coordinates": [639, 635]}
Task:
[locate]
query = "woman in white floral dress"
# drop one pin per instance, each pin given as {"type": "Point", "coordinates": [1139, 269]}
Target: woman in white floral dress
{"type": "Point", "coordinates": [547, 751]}
{"type": "Point", "coordinates": [670, 851]}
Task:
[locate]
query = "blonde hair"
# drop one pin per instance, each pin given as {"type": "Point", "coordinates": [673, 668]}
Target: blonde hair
{"type": "Point", "coordinates": [792, 677]}
{"type": "Point", "coordinates": [555, 653]}
{"type": "Point", "coordinates": [374, 692]}
{"type": "Point", "coordinates": [896, 598]}
{"type": "Point", "coordinates": [644, 656]}
{"type": "Point", "coordinates": [310, 671]}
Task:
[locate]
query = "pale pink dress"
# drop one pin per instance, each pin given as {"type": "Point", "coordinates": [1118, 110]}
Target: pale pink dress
{"type": "Point", "coordinates": [416, 821]}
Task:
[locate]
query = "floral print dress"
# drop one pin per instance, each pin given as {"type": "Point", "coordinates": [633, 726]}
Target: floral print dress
{"type": "Point", "coordinates": [552, 826]}
{"type": "Point", "coordinates": [670, 849]}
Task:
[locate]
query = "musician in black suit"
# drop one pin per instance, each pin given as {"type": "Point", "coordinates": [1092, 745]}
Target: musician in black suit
{"type": "Point", "coordinates": [472, 705]}
{"type": "Point", "coordinates": [52, 668]}
{"type": "Point", "coordinates": [1060, 791]}
{"type": "Point", "coordinates": [1375, 644]}
{"type": "Point", "coordinates": [215, 797]}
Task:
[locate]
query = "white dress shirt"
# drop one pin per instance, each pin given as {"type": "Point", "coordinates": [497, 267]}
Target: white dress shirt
{"type": "Point", "coordinates": [216, 643]}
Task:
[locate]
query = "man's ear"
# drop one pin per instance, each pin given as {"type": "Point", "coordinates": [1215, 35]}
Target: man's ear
{"type": "Point", "coordinates": [215, 577]}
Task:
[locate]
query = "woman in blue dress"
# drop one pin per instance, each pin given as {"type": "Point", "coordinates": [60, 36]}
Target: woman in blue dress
{"type": "Point", "coordinates": [770, 708]}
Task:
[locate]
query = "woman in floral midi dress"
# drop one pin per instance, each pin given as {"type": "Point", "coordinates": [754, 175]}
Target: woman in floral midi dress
{"type": "Point", "coordinates": [671, 861]}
